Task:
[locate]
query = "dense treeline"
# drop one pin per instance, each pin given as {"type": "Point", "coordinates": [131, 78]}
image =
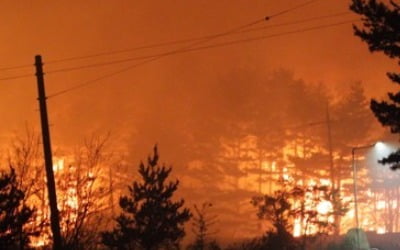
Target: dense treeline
{"type": "Point", "coordinates": [236, 142]}
{"type": "Point", "coordinates": [151, 218]}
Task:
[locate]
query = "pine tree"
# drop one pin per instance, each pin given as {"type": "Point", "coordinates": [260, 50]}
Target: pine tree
{"type": "Point", "coordinates": [277, 210]}
{"type": "Point", "coordinates": [202, 221]}
{"type": "Point", "coordinates": [150, 219]}
{"type": "Point", "coordinates": [13, 213]}
{"type": "Point", "coordinates": [381, 32]}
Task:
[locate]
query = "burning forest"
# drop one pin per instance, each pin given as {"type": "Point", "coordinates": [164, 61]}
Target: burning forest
{"type": "Point", "coordinates": [219, 149]}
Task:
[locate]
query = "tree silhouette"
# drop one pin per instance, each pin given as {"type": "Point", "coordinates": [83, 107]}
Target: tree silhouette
{"type": "Point", "coordinates": [293, 202]}
{"type": "Point", "coordinates": [83, 196]}
{"type": "Point", "coordinates": [278, 210]}
{"type": "Point", "coordinates": [14, 215]}
{"type": "Point", "coordinates": [202, 221]}
{"type": "Point", "coordinates": [150, 219]}
{"type": "Point", "coordinates": [381, 32]}
{"type": "Point", "coordinates": [84, 200]}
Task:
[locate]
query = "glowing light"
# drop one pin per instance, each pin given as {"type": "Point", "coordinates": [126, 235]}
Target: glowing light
{"type": "Point", "coordinates": [380, 205]}
{"type": "Point", "coordinates": [68, 199]}
{"type": "Point", "coordinates": [324, 207]}
{"type": "Point", "coordinates": [380, 146]}
{"type": "Point", "coordinates": [39, 243]}
{"type": "Point", "coordinates": [58, 165]}
{"type": "Point", "coordinates": [297, 227]}
{"type": "Point", "coordinates": [383, 149]}
{"type": "Point", "coordinates": [273, 166]}
{"type": "Point", "coordinates": [325, 182]}
{"type": "Point", "coordinates": [285, 177]}
{"type": "Point", "coordinates": [312, 182]}
{"type": "Point", "coordinates": [381, 230]}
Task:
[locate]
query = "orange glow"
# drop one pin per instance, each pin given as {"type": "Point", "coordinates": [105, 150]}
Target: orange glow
{"type": "Point", "coordinates": [218, 114]}
{"type": "Point", "coordinates": [324, 207]}
{"type": "Point", "coordinates": [68, 199]}
{"type": "Point", "coordinates": [297, 228]}
{"type": "Point", "coordinates": [380, 230]}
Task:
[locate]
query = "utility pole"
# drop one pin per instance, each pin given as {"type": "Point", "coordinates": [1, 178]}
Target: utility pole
{"type": "Point", "coordinates": [337, 218]}
{"type": "Point", "coordinates": [331, 166]}
{"type": "Point", "coordinates": [51, 186]}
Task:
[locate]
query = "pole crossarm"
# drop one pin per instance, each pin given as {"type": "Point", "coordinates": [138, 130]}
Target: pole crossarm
{"type": "Point", "coordinates": [353, 149]}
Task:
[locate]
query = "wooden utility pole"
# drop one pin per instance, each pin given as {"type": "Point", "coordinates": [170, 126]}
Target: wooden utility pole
{"type": "Point", "coordinates": [331, 165]}
{"type": "Point", "coordinates": [334, 177]}
{"type": "Point", "coordinates": [51, 186]}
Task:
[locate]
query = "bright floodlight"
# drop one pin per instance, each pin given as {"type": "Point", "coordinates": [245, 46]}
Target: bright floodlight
{"type": "Point", "coordinates": [380, 146]}
{"type": "Point", "coordinates": [383, 149]}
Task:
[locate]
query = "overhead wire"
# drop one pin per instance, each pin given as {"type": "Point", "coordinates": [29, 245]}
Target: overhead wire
{"type": "Point", "coordinates": [299, 21]}
{"type": "Point", "coordinates": [158, 56]}
{"type": "Point", "coordinates": [166, 43]}
{"type": "Point", "coordinates": [137, 48]}
{"type": "Point", "coordinates": [246, 40]}
{"type": "Point", "coordinates": [201, 40]}
{"type": "Point", "coordinates": [147, 61]}
{"type": "Point", "coordinates": [16, 67]}
{"type": "Point", "coordinates": [180, 51]}
{"type": "Point", "coordinates": [178, 41]}
{"type": "Point", "coordinates": [272, 35]}
{"type": "Point", "coordinates": [193, 39]}
{"type": "Point", "coordinates": [16, 77]}
{"type": "Point", "coordinates": [299, 6]}
{"type": "Point", "coordinates": [194, 44]}
{"type": "Point", "coordinates": [154, 46]}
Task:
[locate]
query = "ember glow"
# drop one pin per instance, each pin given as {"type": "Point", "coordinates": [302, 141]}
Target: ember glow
{"type": "Point", "coordinates": [80, 193]}
{"type": "Point", "coordinates": [235, 111]}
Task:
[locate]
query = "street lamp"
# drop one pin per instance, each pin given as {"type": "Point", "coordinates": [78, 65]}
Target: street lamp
{"type": "Point", "coordinates": [377, 144]}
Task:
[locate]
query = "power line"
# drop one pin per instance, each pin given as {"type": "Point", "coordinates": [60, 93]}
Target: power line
{"type": "Point", "coordinates": [140, 47]}
{"type": "Point", "coordinates": [177, 41]}
{"type": "Point", "coordinates": [159, 44]}
{"type": "Point", "coordinates": [200, 48]}
{"type": "Point", "coordinates": [16, 77]}
{"type": "Point", "coordinates": [152, 59]}
{"type": "Point", "coordinates": [193, 39]}
{"type": "Point", "coordinates": [293, 8]}
{"type": "Point", "coordinates": [156, 44]}
{"type": "Point", "coordinates": [199, 41]}
{"type": "Point", "coordinates": [300, 21]}
{"type": "Point", "coordinates": [16, 67]}
{"type": "Point", "coordinates": [155, 58]}
{"type": "Point", "coordinates": [273, 35]}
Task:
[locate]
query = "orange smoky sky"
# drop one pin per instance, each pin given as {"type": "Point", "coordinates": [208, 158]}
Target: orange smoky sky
{"type": "Point", "coordinates": [61, 29]}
